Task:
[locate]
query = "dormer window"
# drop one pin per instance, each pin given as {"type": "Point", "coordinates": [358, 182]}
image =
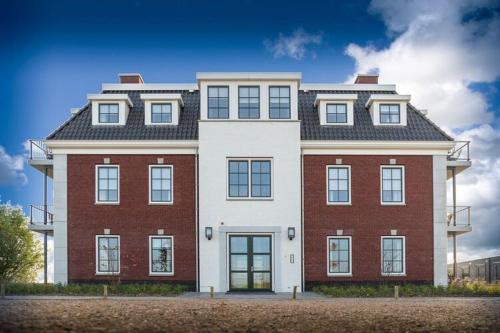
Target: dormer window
{"type": "Point", "coordinates": [218, 102]}
{"type": "Point", "coordinates": [336, 109]}
{"type": "Point", "coordinates": [161, 113]}
{"type": "Point", "coordinates": [248, 102]}
{"type": "Point", "coordinates": [388, 109]}
{"type": "Point", "coordinates": [390, 114]}
{"type": "Point", "coordinates": [162, 109]}
{"type": "Point", "coordinates": [336, 113]}
{"type": "Point", "coordinates": [110, 109]}
{"type": "Point", "coordinates": [108, 113]}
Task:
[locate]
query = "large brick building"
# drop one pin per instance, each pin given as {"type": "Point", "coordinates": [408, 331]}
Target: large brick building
{"type": "Point", "coordinates": [249, 181]}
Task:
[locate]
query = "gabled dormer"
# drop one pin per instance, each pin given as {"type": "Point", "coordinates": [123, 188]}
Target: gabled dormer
{"type": "Point", "coordinates": [336, 109]}
{"type": "Point", "coordinates": [109, 109]}
{"type": "Point", "coordinates": [162, 109]}
{"type": "Point", "coordinates": [388, 109]}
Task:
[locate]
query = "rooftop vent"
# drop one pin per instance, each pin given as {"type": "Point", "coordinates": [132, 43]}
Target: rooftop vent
{"type": "Point", "coordinates": [130, 78]}
{"type": "Point", "coordinates": [367, 79]}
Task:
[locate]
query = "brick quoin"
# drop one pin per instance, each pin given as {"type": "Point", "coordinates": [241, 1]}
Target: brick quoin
{"type": "Point", "coordinates": [133, 219]}
{"type": "Point", "coordinates": [366, 220]}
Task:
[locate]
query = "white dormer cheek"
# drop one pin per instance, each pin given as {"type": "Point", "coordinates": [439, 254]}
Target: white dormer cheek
{"type": "Point", "coordinates": [122, 100]}
{"type": "Point", "coordinates": [375, 101]}
{"type": "Point", "coordinates": [323, 101]}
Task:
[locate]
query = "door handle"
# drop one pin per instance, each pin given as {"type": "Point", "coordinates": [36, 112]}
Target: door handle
{"type": "Point", "coordinates": [251, 268]}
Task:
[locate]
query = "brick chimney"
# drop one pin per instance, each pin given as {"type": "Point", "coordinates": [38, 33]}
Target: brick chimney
{"type": "Point", "coordinates": [366, 79]}
{"type": "Point", "coordinates": [130, 78]}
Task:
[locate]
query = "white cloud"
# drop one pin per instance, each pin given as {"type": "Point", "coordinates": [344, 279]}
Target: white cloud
{"type": "Point", "coordinates": [439, 49]}
{"type": "Point", "coordinates": [295, 46]}
{"type": "Point", "coordinates": [11, 169]}
{"type": "Point", "coordinates": [437, 56]}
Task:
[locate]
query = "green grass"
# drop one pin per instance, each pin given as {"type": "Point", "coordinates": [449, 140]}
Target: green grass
{"type": "Point", "coordinates": [456, 288]}
{"type": "Point", "coordinates": [152, 289]}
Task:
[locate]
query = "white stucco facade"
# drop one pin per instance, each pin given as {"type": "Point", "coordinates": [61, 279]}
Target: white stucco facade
{"type": "Point", "coordinates": [439, 224]}
{"type": "Point", "coordinates": [60, 219]}
{"type": "Point", "coordinates": [279, 141]}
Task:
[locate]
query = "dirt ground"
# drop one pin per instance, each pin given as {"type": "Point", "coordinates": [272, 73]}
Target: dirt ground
{"type": "Point", "coordinates": [205, 315]}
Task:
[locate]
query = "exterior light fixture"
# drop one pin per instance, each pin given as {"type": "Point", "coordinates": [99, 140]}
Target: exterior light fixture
{"type": "Point", "coordinates": [291, 233]}
{"type": "Point", "coordinates": [208, 232]}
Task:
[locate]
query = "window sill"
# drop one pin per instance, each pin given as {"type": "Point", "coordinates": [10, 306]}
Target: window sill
{"type": "Point", "coordinates": [161, 274]}
{"type": "Point", "coordinates": [393, 203]}
{"type": "Point", "coordinates": [393, 274]}
{"type": "Point", "coordinates": [161, 203]}
{"type": "Point", "coordinates": [249, 199]}
{"type": "Point", "coordinates": [339, 204]}
{"type": "Point", "coordinates": [108, 274]}
{"type": "Point", "coordinates": [107, 203]}
{"type": "Point", "coordinates": [339, 275]}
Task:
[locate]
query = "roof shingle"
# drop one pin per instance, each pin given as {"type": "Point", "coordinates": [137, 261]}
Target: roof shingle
{"type": "Point", "coordinates": [79, 127]}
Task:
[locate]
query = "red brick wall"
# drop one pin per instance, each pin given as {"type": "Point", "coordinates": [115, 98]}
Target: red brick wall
{"type": "Point", "coordinates": [367, 220]}
{"type": "Point", "coordinates": [133, 219]}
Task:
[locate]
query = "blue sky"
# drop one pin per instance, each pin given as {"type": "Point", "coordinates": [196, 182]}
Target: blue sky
{"type": "Point", "coordinates": [53, 53]}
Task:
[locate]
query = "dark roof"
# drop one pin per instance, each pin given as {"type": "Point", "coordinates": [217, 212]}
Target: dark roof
{"type": "Point", "coordinates": [79, 127]}
{"type": "Point", "coordinates": [419, 128]}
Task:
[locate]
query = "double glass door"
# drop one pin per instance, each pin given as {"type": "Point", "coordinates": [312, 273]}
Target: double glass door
{"type": "Point", "coordinates": [250, 262]}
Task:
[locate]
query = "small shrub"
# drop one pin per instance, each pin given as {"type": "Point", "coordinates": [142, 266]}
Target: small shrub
{"type": "Point", "coordinates": [77, 289]}
{"type": "Point", "coordinates": [455, 288]}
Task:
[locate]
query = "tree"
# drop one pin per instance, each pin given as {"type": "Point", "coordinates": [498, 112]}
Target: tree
{"type": "Point", "coordinates": [20, 253]}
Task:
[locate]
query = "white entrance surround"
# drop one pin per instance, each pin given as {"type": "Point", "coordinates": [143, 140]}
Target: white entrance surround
{"type": "Point", "coordinates": [274, 232]}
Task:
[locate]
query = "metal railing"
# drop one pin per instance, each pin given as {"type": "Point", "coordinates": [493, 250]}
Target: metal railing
{"type": "Point", "coordinates": [460, 152]}
{"type": "Point", "coordinates": [41, 214]}
{"type": "Point", "coordinates": [458, 215]}
{"type": "Point", "coordinates": [39, 150]}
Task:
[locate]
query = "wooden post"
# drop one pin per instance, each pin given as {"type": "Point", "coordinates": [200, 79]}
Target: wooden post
{"type": "Point", "coordinates": [105, 291]}
{"type": "Point", "coordinates": [211, 292]}
{"type": "Point", "coordinates": [396, 292]}
{"type": "Point", "coordinates": [294, 294]}
{"type": "Point", "coordinates": [2, 290]}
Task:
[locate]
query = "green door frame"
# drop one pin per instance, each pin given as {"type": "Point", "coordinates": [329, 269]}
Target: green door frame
{"type": "Point", "coordinates": [250, 256]}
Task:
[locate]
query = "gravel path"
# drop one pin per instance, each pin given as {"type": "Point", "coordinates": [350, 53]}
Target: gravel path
{"type": "Point", "coordinates": [185, 315]}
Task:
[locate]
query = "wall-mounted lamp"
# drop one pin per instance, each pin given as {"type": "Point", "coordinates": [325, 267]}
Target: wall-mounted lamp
{"type": "Point", "coordinates": [291, 233]}
{"type": "Point", "coordinates": [208, 232]}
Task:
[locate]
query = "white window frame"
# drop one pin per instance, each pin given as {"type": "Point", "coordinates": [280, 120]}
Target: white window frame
{"type": "Point", "coordinates": [328, 273]}
{"type": "Point", "coordinates": [97, 272]}
{"type": "Point", "coordinates": [151, 273]}
{"type": "Point", "coordinates": [333, 203]}
{"type": "Point", "coordinates": [153, 103]}
{"type": "Point", "coordinates": [97, 202]}
{"type": "Point", "coordinates": [403, 187]}
{"type": "Point", "coordinates": [380, 113]}
{"type": "Point", "coordinates": [249, 178]}
{"type": "Point", "coordinates": [382, 256]}
{"type": "Point", "coordinates": [171, 202]}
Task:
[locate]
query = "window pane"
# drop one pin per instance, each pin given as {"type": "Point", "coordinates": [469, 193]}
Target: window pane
{"type": "Point", "coordinates": [238, 244]}
{"type": "Point", "coordinates": [339, 258]}
{"type": "Point", "coordinates": [161, 184]}
{"type": "Point", "coordinates": [261, 245]}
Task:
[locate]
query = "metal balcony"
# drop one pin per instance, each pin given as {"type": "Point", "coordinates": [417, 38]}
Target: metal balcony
{"type": "Point", "coordinates": [459, 220]}
{"type": "Point", "coordinates": [40, 157]}
{"type": "Point", "coordinates": [41, 218]}
{"type": "Point", "coordinates": [458, 158]}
